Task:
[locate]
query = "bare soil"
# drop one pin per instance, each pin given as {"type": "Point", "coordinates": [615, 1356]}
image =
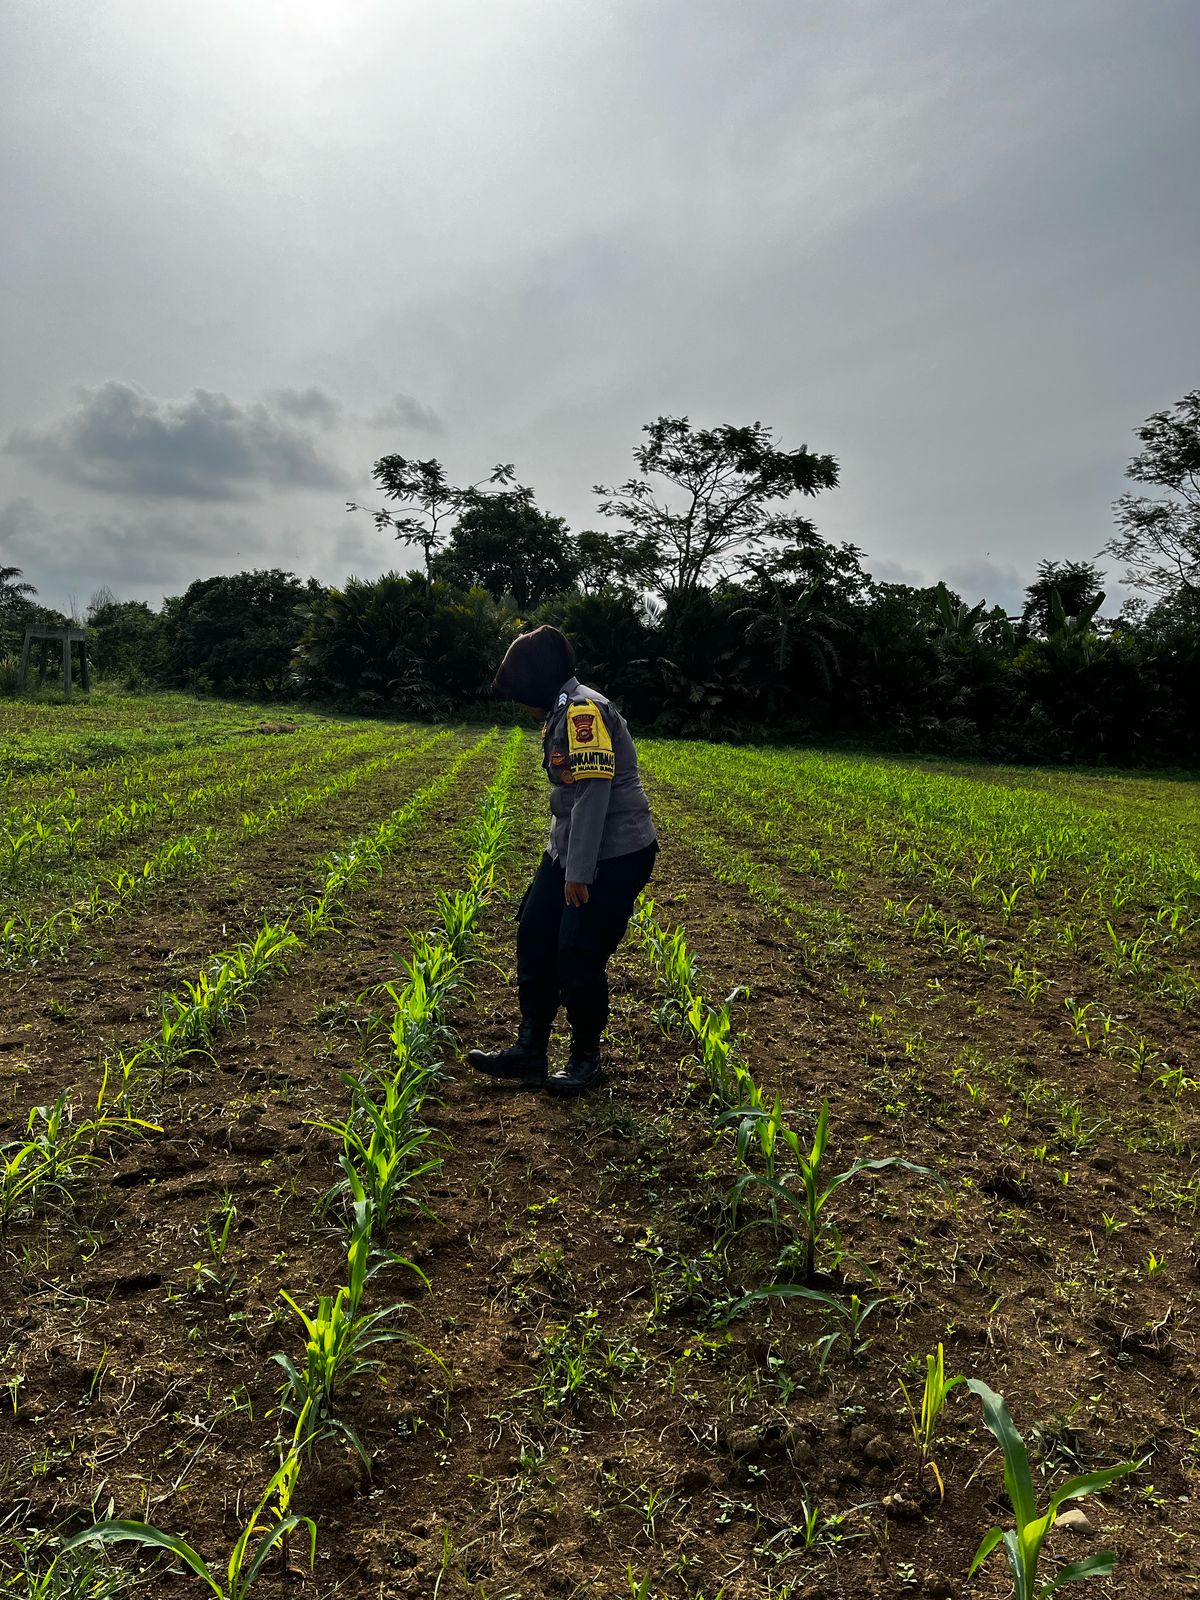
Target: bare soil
{"type": "Point", "coordinates": [694, 1446]}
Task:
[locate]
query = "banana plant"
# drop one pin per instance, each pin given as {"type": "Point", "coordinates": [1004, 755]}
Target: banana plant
{"type": "Point", "coordinates": [1023, 1542]}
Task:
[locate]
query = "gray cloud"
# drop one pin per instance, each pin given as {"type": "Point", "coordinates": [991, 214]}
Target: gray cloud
{"type": "Point", "coordinates": [407, 414]}
{"type": "Point", "coordinates": [981, 579]}
{"type": "Point", "coordinates": [122, 440]}
{"type": "Point", "coordinates": [309, 405]}
{"type": "Point", "coordinates": [143, 557]}
{"type": "Point", "coordinates": [949, 244]}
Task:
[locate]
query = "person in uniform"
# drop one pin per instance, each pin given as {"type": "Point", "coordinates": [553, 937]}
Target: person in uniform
{"type": "Point", "coordinates": [598, 859]}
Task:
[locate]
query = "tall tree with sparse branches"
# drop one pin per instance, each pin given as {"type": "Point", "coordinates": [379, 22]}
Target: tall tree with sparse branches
{"type": "Point", "coordinates": [705, 499]}
{"type": "Point", "coordinates": [1159, 541]}
{"type": "Point", "coordinates": [430, 504]}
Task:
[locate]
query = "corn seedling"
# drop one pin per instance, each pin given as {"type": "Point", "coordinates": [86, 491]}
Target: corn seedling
{"type": "Point", "coordinates": [925, 1421]}
{"type": "Point", "coordinates": [213, 1273]}
{"type": "Point", "coordinates": [1137, 1048]}
{"type": "Point", "coordinates": [1127, 955]}
{"type": "Point", "coordinates": [676, 966]}
{"type": "Point", "coordinates": [78, 1575]}
{"type": "Point", "coordinates": [1175, 1080]}
{"type": "Point", "coordinates": [1023, 1543]}
{"type": "Point", "coordinates": [802, 1194]}
{"type": "Point", "coordinates": [55, 1151]}
{"type": "Point", "coordinates": [270, 1525]}
{"type": "Point", "coordinates": [384, 1141]}
{"type": "Point", "coordinates": [338, 1337]}
{"type": "Point", "coordinates": [1027, 981]}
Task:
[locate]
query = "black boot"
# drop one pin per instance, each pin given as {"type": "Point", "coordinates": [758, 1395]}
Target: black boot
{"type": "Point", "coordinates": [584, 1068]}
{"type": "Point", "coordinates": [525, 1061]}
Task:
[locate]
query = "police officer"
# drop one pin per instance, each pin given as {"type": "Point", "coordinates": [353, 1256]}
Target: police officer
{"type": "Point", "coordinates": [599, 858]}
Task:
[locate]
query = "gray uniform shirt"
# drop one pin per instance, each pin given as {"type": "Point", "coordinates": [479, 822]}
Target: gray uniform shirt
{"type": "Point", "coordinates": [598, 807]}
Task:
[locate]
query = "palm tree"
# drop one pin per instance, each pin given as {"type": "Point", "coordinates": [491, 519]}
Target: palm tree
{"type": "Point", "coordinates": [793, 626]}
{"type": "Point", "coordinates": [14, 605]}
{"type": "Point", "coordinates": [10, 589]}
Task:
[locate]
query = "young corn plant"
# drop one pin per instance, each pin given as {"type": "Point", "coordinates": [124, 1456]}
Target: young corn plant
{"type": "Point", "coordinates": [925, 1420]}
{"type": "Point", "coordinates": [1023, 1542]}
{"type": "Point", "coordinates": [55, 1151]}
{"type": "Point", "coordinates": [214, 1274]}
{"type": "Point", "coordinates": [799, 1196]}
{"type": "Point", "coordinates": [384, 1141]}
{"type": "Point", "coordinates": [271, 1524]}
{"type": "Point", "coordinates": [677, 967]}
{"type": "Point", "coordinates": [338, 1337]}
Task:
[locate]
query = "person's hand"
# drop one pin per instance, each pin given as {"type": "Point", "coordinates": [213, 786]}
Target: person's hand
{"type": "Point", "coordinates": [576, 894]}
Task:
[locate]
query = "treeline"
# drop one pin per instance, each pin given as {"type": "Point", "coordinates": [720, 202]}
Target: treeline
{"type": "Point", "coordinates": [712, 608]}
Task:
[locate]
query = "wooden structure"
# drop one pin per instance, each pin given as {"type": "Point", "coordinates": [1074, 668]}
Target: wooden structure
{"type": "Point", "coordinates": [47, 638]}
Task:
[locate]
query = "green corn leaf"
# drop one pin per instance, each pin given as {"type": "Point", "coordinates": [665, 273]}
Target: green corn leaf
{"type": "Point", "coordinates": [878, 1165]}
{"type": "Point", "coordinates": [988, 1543]}
{"type": "Point", "coordinates": [1016, 1566]}
{"type": "Point", "coordinates": [278, 1532]}
{"type": "Point", "coordinates": [1017, 1479]}
{"type": "Point", "coordinates": [1091, 1483]}
{"type": "Point", "coordinates": [116, 1532]}
{"type": "Point", "coordinates": [820, 1137]}
{"type": "Point", "coordinates": [782, 1291]}
{"type": "Point", "coordinates": [1098, 1566]}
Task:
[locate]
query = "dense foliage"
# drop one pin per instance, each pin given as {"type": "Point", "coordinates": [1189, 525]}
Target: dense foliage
{"type": "Point", "coordinates": [714, 608]}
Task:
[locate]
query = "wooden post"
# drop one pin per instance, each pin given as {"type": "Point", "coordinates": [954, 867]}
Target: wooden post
{"type": "Point", "coordinates": [67, 662]}
{"type": "Point", "coordinates": [23, 674]}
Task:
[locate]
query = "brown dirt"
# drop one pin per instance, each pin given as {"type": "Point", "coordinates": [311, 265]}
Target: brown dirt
{"type": "Point", "coordinates": [692, 1456]}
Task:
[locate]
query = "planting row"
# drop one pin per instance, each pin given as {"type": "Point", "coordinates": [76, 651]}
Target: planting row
{"type": "Point", "coordinates": [789, 1176]}
{"type": "Point", "coordinates": [385, 1153]}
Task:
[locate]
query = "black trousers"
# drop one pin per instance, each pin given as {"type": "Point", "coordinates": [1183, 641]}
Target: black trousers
{"type": "Point", "coordinates": [563, 951]}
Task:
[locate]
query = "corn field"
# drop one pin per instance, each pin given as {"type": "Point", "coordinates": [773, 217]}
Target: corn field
{"type": "Point", "coordinates": [871, 1269]}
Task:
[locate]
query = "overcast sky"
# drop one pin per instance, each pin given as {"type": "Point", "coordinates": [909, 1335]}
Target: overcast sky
{"type": "Point", "coordinates": [251, 245]}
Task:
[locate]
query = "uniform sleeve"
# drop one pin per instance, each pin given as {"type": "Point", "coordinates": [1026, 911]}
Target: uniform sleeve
{"type": "Point", "coordinates": [587, 829]}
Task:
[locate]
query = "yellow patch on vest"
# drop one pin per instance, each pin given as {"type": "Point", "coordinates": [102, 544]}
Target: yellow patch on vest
{"type": "Point", "coordinates": [589, 742]}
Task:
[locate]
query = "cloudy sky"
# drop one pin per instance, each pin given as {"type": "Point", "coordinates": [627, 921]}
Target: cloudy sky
{"type": "Point", "coordinates": [251, 245]}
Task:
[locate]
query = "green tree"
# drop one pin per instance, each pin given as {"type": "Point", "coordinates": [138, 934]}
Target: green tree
{"type": "Point", "coordinates": [788, 620]}
{"type": "Point", "coordinates": [430, 504]}
{"type": "Point", "coordinates": [238, 632]}
{"type": "Point", "coordinates": [1077, 587]}
{"type": "Point", "coordinates": [612, 636]}
{"type": "Point", "coordinates": [705, 498]}
{"type": "Point", "coordinates": [1159, 538]}
{"type": "Point", "coordinates": [401, 641]}
{"type": "Point", "coordinates": [607, 561]}
{"type": "Point", "coordinates": [16, 608]}
{"type": "Point", "coordinates": [127, 636]}
{"type": "Point", "coordinates": [504, 544]}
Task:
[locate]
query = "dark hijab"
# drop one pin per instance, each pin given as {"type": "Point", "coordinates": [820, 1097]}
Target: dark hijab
{"type": "Point", "coordinates": [535, 667]}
